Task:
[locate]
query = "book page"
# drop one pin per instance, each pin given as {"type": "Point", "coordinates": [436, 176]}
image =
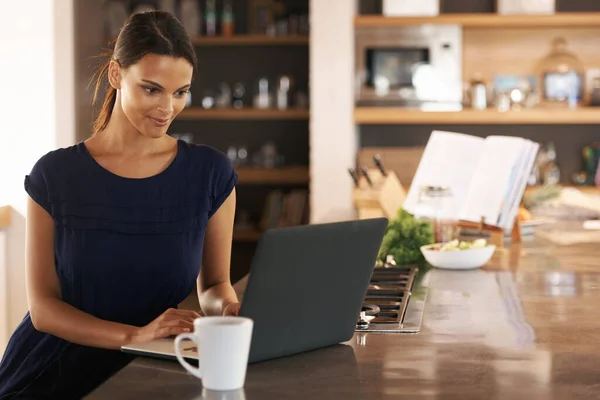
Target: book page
{"type": "Point", "coordinates": [449, 160]}
{"type": "Point", "coordinates": [492, 178]}
{"type": "Point", "coordinates": [516, 177]}
{"type": "Point", "coordinates": [509, 213]}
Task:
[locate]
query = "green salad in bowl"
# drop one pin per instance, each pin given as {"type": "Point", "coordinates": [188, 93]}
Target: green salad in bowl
{"type": "Point", "coordinates": [456, 245]}
{"type": "Point", "coordinates": [457, 254]}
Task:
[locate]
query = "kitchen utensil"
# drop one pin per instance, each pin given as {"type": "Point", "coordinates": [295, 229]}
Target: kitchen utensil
{"type": "Point", "coordinates": [379, 164]}
{"type": "Point", "coordinates": [354, 176]}
{"type": "Point", "coordinates": [365, 173]}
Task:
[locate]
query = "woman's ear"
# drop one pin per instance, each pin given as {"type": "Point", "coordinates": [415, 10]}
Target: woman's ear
{"type": "Point", "coordinates": [114, 74]}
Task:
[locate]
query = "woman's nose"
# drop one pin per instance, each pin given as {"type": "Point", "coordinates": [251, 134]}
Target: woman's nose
{"type": "Point", "coordinates": [166, 105]}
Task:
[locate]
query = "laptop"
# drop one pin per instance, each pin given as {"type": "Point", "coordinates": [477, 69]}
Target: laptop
{"type": "Point", "coordinates": [305, 289]}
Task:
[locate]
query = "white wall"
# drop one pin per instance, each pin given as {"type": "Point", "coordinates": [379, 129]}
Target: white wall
{"type": "Point", "coordinates": [333, 138]}
{"type": "Point", "coordinates": [38, 115]}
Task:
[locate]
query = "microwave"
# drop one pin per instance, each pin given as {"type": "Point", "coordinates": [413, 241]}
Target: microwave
{"type": "Point", "coordinates": [409, 66]}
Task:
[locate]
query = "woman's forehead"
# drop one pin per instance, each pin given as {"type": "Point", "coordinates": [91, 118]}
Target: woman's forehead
{"type": "Point", "coordinates": [165, 70]}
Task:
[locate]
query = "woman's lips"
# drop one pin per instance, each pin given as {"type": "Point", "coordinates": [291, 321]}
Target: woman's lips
{"type": "Point", "coordinates": [159, 122]}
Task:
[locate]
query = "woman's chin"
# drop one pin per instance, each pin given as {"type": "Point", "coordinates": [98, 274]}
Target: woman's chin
{"type": "Point", "coordinates": [155, 133]}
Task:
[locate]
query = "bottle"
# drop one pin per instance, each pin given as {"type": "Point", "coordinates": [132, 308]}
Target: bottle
{"type": "Point", "coordinates": [595, 95]}
{"type": "Point", "coordinates": [238, 95]}
{"type": "Point", "coordinates": [478, 93]}
{"type": "Point", "coordinates": [560, 75]}
{"type": "Point", "coordinates": [191, 17]}
{"type": "Point", "coordinates": [227, 19]}
{"type": "Point", "coordinates": [551, 170]}
{"type": "Point", "coordinates": [433, 207]}
{"type": "Point", "coordinates": [211, 18]}
{"type": "Point", "coordinates": [282, 92]}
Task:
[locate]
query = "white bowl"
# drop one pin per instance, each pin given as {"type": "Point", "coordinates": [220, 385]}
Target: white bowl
{"type": "Point", "coordinates": [458, 259]}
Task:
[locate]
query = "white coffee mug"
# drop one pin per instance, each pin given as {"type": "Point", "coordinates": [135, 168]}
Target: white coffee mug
{"type": "Point", "coordinates": [223, 347]}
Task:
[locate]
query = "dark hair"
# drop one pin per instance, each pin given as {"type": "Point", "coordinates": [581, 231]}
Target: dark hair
{"type": "Point", "coordinates": [152, 32]}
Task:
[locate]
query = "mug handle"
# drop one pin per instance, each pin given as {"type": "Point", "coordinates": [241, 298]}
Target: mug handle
{"type": "Point", "coordinates": [178, 339]}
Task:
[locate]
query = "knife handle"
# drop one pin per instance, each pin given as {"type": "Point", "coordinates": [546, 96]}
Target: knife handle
{"type": "Point", "coordinates": [354, 176]}
{"type": "Point", "coordinates": [379, 164]}
{"type": "Point", "coordinates": [366, 175]}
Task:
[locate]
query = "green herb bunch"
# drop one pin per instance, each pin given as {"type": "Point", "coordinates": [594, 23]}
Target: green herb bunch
{"type": "Point", "coordinates": [404, 237]}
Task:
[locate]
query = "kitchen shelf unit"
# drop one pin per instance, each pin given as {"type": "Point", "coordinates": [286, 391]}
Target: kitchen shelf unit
{"type": "Point", "coordinates": [538, 116]}
{"type": "Point", "coordinates": [495, 45]}
{"type": "Point", "coordinates": [244, 57]}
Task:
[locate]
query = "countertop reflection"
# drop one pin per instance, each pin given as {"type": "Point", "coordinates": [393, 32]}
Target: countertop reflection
{"type": "Point", "coordinates": [523, 327]}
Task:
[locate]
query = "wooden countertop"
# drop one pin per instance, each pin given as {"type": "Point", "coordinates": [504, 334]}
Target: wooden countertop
{"type": "Point", "coordinates": [4, 216]}
{"type": "Point", "coordinates": [524, 327]}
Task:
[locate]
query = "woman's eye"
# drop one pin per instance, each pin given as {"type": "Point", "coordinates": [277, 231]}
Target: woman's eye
{"type": "Point", "coordinates": [181, 93]}
{"type": "Point", "coordinates": [150, 90]}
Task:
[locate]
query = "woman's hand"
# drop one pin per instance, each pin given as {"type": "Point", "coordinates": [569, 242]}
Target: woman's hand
{"type": "Point", "coordinates": [171, 322]}
{"type": "Point", "coordinates": [232, 309]}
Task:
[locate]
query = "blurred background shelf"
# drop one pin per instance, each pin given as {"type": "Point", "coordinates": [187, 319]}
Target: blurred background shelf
{"type": "Point", "coordinates": [281, 176]}
{"type": "Point", "coordinates": [198, 113]}
{"type": "Point", "coordinates": [251, 40]}
{"type": "Point", "coordinates": [246, 236]}
{"type": "Point", "coordinates": [397, 115]}
{"type": "Point", "coordinates": [487, 20]}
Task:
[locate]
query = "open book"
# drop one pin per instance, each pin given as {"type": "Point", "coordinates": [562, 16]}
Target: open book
{"type": "Point", "coordinates": [487, 177]}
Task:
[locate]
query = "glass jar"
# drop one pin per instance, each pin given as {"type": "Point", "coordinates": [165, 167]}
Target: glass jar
{"type": "Point", "coordinates": [433, 206]}
{"type": "Point", "coordinates": [561, 76]}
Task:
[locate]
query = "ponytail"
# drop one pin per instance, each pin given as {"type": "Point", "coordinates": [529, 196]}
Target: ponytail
{"type": "Point", "coordinates": [105, 112]}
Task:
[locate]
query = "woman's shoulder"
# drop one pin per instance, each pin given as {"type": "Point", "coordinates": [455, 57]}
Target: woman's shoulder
{"type": "Point", "coordinates": [59, 160]}
{"type": "Point", "coordinates": [206, 159]}
{"type": "Point", "coordinates": [214, 168]}
{"type": "Point", "coordinates": [205, 154]}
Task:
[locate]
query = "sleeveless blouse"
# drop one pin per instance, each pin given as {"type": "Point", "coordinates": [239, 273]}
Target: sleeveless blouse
{"type": "Point", "coordinates": [125, 251]}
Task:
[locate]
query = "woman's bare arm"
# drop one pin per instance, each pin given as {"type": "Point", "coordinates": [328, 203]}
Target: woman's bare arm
{"type": "Point", "coordinates": [214, 283]}
{"type": "Point", "coordinates": [49, 313]}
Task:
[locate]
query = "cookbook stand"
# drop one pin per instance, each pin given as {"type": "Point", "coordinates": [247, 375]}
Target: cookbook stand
{"type": "Point", "coordinates": [496, 233]}
{"type": "Point", "coordinates": [378, 196]}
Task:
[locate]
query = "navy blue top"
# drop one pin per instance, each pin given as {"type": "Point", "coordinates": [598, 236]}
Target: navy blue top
{"type": "Point", "coordinates": [125, 250]}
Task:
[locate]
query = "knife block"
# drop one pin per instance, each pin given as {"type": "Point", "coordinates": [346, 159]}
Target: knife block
{"type": "Point", "coordinates": [383, 199]}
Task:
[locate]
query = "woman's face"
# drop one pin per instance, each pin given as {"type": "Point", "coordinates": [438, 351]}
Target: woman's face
{"type": "Point", "coordinates": [153, 91]}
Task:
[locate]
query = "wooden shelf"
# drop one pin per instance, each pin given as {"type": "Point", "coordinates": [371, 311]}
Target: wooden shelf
{"type": "Point", "coordinates": [278, 176]}
{"type": "Point", "coordinates": [491, 20]}
{"type": "Point", "coordinates": [250, 40]}
{"type": "Point", "coordinates": [396, 115]}
{"type": "Point", "coordinates": [246, 236]}
{"type": "Point", "coordinates": [198, 113]}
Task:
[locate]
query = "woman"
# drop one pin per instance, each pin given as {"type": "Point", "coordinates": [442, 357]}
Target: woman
{"type": "Point", "coordinates": [118, 226]}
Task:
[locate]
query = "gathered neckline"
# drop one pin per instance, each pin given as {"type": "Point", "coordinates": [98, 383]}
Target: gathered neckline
{"type": "Point", "coordinates": [85, 150]}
